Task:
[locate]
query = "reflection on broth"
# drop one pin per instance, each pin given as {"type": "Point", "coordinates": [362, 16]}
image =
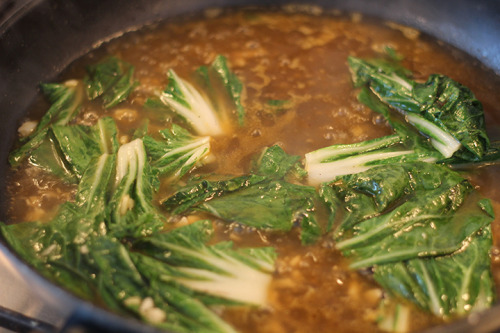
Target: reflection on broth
{"type": "Point", "coordinates": [298, 94]}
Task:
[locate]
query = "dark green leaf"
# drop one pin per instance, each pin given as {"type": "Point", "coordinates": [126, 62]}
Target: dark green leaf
{"type": "Point", "coordinates": [112, 79]}
{"type": "Point", "coordinates": [449, 108]}
{"type": "Point", "coordinates": [131, 209]}
{"type": "Point", "coordinates": [66, 100]}
{"type": "Point", "coordinates": [275, 163]}
{"type": "Point", "coordinates": [254, 200]}
{"type": "Point", "coordinates": [219, 71]}
{"type": "Point", "coordinates": [450, 285]}
{"type": "Point", "coordinates": [178, 153]}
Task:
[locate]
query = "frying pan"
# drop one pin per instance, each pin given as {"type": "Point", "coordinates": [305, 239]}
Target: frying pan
{"type": "Point", "coordinates": [39, 38]}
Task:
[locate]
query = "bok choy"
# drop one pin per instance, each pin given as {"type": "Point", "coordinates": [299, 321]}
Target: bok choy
{"type": "Point", "coordinates": [178, 152]}
{"type": "Point", "coordinates": [328, 163]}
{"type": "Point", "coordinates": [207, 110]}
{"type": "Point", "coordinates": [417, 218]}
{"type": "Point", "coordinates": [112, 80]}
{"type": "Point", "coordinates": [65, 99]}
{"type": "Point", "coordinates": [261, 200]}
{"type": "Point", "coordinates": [67, 151]}
{"type": "Point", "coordinates": [216, 270]}
{"type": "Point", "coordinates": [441, 108]}
{"type": "Point", "coordinates": [131, 208]}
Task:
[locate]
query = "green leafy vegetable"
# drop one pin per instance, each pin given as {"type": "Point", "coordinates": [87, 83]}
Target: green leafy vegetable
{"type": "Point", "coordinates": [404, 219]}
{"type": "Point", "coordinates": [65, 102]}
{"type": "Point", "coordinates": [218, 74]}
{"type": "Point", "coordinates": [275, 163]}
{"type": "Point", "coordinates": [217, 270]}
{"type": "Point", "coordinates": [451, 285]}
{"type": "Point", "coordinates": [66, 151]}
{"type": "Point", "coordinates": [47, 156]}
{"type": "Point", "coordinates": [442, 109]}
{"type": "Point", "coordinates": [326, 164]}
{"type": "Point", "coordinates": [112, 80]}
{"type": "Point", "coordinates": [187, 102]}
{"type": "Point", "coordinates": [207, 109]}
{"type": "Point", "coordinates": [178, 153]}
{"type": "Point", "coordinates": [131, 208]}
{"type": "Point", "coordinates": [257, 200]}
{"type": "Point", "coordinates": [122, 276]}
{"type": "Point", "coordinates": [393, 316]}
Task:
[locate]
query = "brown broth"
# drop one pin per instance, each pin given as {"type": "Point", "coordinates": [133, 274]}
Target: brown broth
{"type": "Point", "coordinates": [300, 58]}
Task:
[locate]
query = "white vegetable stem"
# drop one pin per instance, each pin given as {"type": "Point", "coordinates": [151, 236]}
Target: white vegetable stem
{"type": "Point", "coordinates": [444, 142]}
{"type": "Point", "coordinates": [199, 112]}
{"type": "Point", "coordinates": [234, 283]}
{"type": "Point", "coordinates": [322, 172]}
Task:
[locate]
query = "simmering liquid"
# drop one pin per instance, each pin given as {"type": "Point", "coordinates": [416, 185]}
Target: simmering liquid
{"type": "Point", "coordinates": [300, 58]}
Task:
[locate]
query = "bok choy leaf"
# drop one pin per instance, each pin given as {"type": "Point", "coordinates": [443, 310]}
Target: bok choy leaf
{"type": "Point", "coordinates": [274, 162]}
{"type": "Point", "coordinates": [131, 208]}
{"type": "Point", "coordinates": [218, 74]}
{"type": "Point", "coordinates": [217, 270]}
{"type": "Point", "coordinates": [441, 108]}
{"type": "Point", "coordinates": [178, 153]}
{"type": "Point", "coordinates": [209, 107]}
{"type": "Point", "coordinates": [65, 100]}
{"type": "Point", "coordinates": [112, 80]}
{"type": "Point", "coordinates": [410, 223]}
{"type": "Point", "coordinates": [191, 105]}
{"type": "Point", "coordinates": [254, 200]}
{"type": "Point", "coordinates": [326, 164]}
{"type": "Point", "coordinates": [450, 285]}
{"type": "Point", "coordinates": [123, 281]}
{"type": "Point", "coordinates": [66, 151]}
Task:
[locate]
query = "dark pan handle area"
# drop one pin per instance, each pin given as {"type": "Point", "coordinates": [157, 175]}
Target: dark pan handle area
{"type": "Point", "coordinates": [39, 38]}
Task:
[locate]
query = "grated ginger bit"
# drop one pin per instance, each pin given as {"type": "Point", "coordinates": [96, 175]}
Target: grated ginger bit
{"type": "Point", "coordinates": [373, 296]}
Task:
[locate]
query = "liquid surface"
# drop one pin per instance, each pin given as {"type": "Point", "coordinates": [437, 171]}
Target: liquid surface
{"type": "Point", "coordinates": [301, 59]}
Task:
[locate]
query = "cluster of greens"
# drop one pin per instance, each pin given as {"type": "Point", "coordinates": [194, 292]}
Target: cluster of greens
{"type": "Point", "coordinates": [110, 243]}
{"type": "Point", "coordinates": [395, 206]}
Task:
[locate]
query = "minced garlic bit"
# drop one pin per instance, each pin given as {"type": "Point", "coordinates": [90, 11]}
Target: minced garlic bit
{"type": "Point", "coordinates": [27, 128]}
{"type": "Point", "coordinates": [71, 83]}
{"type": "Point", "coordinates": [133, 301]}
{"type": "Point", "coordinates": [126, 115]}
{"type": "Point", "coordinates": [124, 139]}
{"type": "Point", "coordinates": [146, 304]}
{"type": "Point", "coordinates": [155, 315]}
{"type": "Point", "coordinates": [408, 32]}
{"type": "Point", "coordinates": [149, 311]}
{"type": "Point", "coordinates": [126, 204]}
{"type": "Point", "coordinates": [84, 249]}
